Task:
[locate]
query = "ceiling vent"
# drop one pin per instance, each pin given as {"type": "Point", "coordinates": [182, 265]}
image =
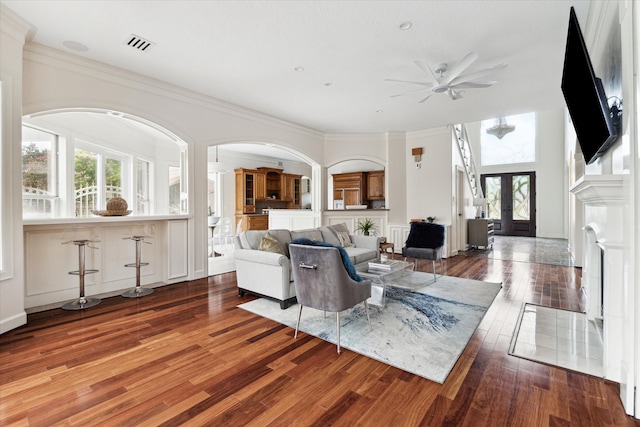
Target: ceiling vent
{"type": "Point", "coordinates": [139, 43]}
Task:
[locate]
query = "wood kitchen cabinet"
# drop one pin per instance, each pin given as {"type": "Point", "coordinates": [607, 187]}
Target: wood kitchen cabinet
{"type": "Point", "coordinates": [253, 222]}
{"type": "Point", "coordinates": [350, 187]}
{"type": "Point", "coordinates": [291, 190]}
{"type": "Point", "coordinates": [273, 183]}
{"type": "Point", "coordinates": [375, 185]}
{"type": "Point", "coordinates": [263, 187]}
{"type": "Point", "coordinates": [245, 191]}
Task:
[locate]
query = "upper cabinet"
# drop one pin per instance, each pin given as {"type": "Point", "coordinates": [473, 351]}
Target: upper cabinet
{"type": "Point", "coordinates": [359, 188]}
{"type": "Point", "coordinates": [245, 191]}
{"type": "Point", "coordinates": [262, 188]}
{"type": "Point", "coordinates": [273, 180]}
{"type": "Point", "coordinates": [292, 190]}
{"type": "Point", "coordinates": [350, 187]}
{"type": "Point", "coordinates": [375, 185]}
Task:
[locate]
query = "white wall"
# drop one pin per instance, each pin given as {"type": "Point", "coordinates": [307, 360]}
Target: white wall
{"type": "Point", "coordinates": [12, 37]}
{"type": "Point", "coordinates": [395, 177]}
{"type": "Point", "coordinates": [550, 169]}
{"type": "Point", "coordinates": [429, 188]}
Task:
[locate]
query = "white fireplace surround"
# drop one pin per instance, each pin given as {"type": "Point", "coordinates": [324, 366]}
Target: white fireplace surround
{"type": "Point", "coordinates": [599, 211]}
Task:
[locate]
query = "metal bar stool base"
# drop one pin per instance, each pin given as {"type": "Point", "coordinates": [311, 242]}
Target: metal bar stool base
{"type": "Point", "coordinates": [137, 292]}
{"type": "Point", "coordinates": [81, 303]}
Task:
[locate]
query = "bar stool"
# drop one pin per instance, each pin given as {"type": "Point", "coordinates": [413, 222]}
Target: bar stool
{"type": "Point", "coordinates": [82, 302]}
{"type": "Point", "coordinates": [138, 291]}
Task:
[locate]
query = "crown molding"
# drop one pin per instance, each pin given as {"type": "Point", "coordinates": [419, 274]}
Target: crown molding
{"type": "Point", "coordinates": [14, 25]}
{"type": "Point", "coordinates": [40, 54]}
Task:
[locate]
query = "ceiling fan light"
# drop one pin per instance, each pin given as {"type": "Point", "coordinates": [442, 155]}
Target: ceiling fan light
{"type": "Point", "coordinates": [501, 128]}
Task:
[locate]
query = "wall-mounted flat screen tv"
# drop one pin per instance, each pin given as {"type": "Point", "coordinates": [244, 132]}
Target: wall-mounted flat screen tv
{"type": "Point", "coordinates": [585, 97]}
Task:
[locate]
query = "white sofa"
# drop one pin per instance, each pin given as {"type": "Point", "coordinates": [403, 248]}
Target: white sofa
{"type": "Point", "coordinates": [269, 274]}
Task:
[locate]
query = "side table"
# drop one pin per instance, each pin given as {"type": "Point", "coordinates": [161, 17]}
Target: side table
{"type": "Point", "coordinates": [387, 245]}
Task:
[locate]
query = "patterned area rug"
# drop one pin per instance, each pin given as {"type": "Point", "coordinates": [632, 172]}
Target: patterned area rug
{"type": "Point", "coordinates": [422, 332]}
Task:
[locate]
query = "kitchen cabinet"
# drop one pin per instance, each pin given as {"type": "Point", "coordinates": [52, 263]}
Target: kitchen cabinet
{"type": "Point", "coordinates": [263, 187]}
{"type": "Point", "coordinates": [245, 191]}
{"type": "Point", "coordinates": [350, 187]}
{"type": "Point", "coordinates": [273, 183]}
{"type": "Point", "coordinates": [291, 190]}
{"type": "Point", "coordinates": [253, 222]}
{"type": "Point", "coordinates": [375, 185]}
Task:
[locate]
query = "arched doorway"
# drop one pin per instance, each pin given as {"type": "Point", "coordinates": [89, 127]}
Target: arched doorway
{"type": "Point", "coordinates": [222, 194]}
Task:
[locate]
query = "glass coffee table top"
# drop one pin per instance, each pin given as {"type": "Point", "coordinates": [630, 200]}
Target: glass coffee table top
{"type": "Point", "coordinates": [397, 274]}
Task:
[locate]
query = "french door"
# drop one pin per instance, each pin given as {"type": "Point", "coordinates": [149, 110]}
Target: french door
{"type": "Point", "coordinates": [511, 202]}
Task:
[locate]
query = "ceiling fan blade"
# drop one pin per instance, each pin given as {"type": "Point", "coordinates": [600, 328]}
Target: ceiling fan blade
{"type": "Point", "coordinates": [455, 94]}
{"type": "Point", "coordinates": [472, 85]}
{"type": "Point", "coordinates": [476, 75]}
{"type": "Point", "coordinates": [461, 66]}
{"type": "Point", "coordinates": [426, 69]}
{"type": "Point", "coordinates": [425, 98]}
{"type": "Point", "coordinates": [409, 81]}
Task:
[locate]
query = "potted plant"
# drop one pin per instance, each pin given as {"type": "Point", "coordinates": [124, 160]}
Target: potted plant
{"type": "Point", "coordinates": [431, 218]}
{"type": "Point", "coordinates": [365, 226]}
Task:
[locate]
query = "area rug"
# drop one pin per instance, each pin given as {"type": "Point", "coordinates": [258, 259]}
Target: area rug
{"type": "Point", "coordinates": [422, 332]}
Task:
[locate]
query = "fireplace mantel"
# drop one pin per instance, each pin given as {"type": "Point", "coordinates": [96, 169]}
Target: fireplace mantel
{"type": "Point", "coordinates": [599, 190]}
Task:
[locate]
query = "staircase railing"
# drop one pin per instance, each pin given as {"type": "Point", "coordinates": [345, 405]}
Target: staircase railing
{"type": "Point", "coordinates": [466, 154]}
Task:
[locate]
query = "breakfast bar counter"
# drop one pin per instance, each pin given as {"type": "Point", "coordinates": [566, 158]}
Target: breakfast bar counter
{"type": "Point", "coordinates": [49, 257]}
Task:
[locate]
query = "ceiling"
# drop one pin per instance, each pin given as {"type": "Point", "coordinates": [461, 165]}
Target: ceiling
{"type": "Point", "coordinates": [247, 52]}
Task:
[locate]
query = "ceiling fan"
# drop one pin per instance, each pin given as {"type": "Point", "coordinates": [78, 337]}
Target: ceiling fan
{"type": "Point", "coordinates": [451, 80]}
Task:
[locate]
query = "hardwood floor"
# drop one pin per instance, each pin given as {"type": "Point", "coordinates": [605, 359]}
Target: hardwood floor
{"type": "Point", "coordinates": [185, 355]}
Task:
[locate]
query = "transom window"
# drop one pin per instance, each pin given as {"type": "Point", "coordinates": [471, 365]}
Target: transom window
{"type": "Point", "coordinates": [517, 146]}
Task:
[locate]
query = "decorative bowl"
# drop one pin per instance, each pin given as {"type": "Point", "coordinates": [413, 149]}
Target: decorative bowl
{"type": "Point", "coordinates": [111, 213]}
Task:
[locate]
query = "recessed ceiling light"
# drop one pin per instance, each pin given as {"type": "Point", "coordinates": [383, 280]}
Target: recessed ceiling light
{"type": "Point", "coordinates": [299, 69]}
{"type": "Point", "coordinates": [76, 46]}
{"type": "Point", "coordinates": [405, 25]}
{"type": "Point", "coordinates": [379, 111]}
{"type": "Point", "coordinates": [328, 84]}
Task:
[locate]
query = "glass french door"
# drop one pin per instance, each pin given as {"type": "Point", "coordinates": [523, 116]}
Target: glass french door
{"type": "Point", "coordinates": [511, 202]}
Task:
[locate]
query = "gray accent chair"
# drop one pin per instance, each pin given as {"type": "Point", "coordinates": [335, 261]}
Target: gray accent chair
{"type": "Point", "coordinates": [425, 241]}
{"type": "Point", "coordinates": [322, 282]}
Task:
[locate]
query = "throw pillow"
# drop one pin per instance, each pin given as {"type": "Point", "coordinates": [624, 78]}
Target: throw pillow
{"type": "Point", "coordinates": [346, 261]}
{"type": "Point", "coordinates": [270, 244]}
{"type": "Point", "coordinates": [343, 237]}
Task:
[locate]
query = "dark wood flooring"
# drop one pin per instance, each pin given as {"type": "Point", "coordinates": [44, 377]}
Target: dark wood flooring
{"type": "Point", "coordinates": [185, 355]}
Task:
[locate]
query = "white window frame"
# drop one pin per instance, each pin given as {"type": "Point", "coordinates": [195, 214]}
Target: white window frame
{"type": "Point", "coordinates": [150, 184]}
{"type": "Point", "coordinates": [105, 153]}
{"type": "Point", "coordinates": [55, 186]}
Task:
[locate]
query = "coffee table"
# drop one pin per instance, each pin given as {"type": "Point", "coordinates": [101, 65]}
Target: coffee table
{"type": "Point", "coordinates": [399, 275]}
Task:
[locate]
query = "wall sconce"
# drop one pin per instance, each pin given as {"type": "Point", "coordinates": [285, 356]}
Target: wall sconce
{"type": "Point", "coordinates": [417, 154]}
